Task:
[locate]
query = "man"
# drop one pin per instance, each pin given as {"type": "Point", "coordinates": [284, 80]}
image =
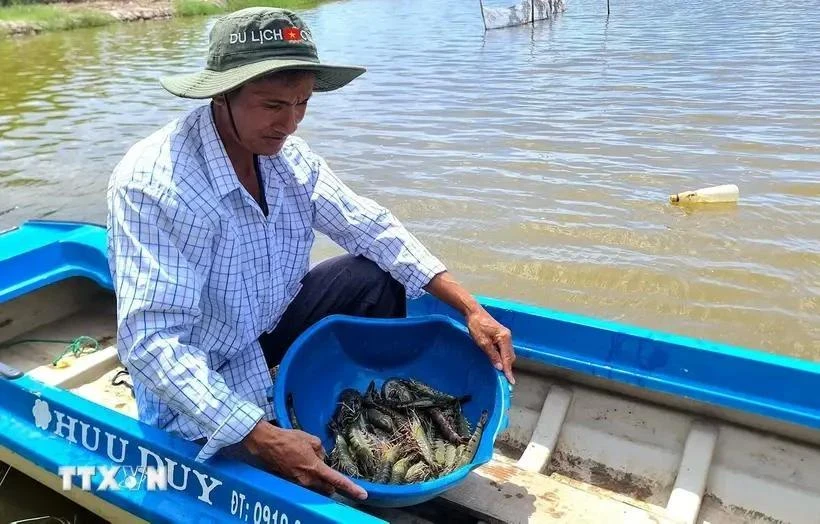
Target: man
{"type": "Point", "coordinates": [211, 223]}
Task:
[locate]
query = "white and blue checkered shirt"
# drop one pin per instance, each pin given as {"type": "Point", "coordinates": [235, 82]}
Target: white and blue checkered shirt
{"type": "Point", "coordinates": [200, 272]}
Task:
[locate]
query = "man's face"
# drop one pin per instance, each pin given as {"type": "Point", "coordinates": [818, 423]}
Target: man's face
{"type": "Point", "coordinates": [268, 110]}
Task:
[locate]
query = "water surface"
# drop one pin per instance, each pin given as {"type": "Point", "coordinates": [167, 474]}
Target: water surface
{"type": "Point", "coordinates": [535, 161]}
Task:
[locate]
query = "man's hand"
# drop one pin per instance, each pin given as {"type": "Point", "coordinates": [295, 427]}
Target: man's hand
{"type": "Point", "coordinates": [298, 456]}
{"type": "Point", "coordinates": [494, 339]}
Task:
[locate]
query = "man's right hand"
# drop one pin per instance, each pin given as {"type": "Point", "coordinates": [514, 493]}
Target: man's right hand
{"type": "Point", "coordinates": [298, 456]}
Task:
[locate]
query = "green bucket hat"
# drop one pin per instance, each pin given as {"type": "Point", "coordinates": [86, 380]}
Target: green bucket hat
{"type": "Point", "coordinates": [253, 42]}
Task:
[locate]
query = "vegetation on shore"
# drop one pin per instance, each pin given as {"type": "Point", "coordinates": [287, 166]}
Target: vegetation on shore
{"type": "Point", "coordinates": [24, 18]}
{"type": "Point", "coordinates": [204, 7]}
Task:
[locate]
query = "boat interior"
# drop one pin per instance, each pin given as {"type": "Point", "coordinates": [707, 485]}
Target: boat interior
{"type": "Point", "coordinates": [577, 449]}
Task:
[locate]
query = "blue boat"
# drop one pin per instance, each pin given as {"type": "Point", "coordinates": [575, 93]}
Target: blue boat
{"type": "Point", "coordinates": [608, 423]}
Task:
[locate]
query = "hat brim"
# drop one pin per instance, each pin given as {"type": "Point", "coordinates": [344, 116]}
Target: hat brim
{"type": "Point", "coordinates": [209, 83]}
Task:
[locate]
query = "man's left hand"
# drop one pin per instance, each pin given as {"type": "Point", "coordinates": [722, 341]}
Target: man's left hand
{"type": "Point", "coordinates": [494, 339]}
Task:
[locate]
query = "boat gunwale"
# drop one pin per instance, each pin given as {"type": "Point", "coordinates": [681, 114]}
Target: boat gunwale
{"type": "Point", "coordinates": [50, 450]}
{"type": "Point", "coordinates": [618, 369]}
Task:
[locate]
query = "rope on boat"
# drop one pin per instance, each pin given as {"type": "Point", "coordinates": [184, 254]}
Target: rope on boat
{"type": "Point", "coordinates": [117, 381]}
{"type": "Point", "coordinates": [45, 518]}
{"type": "Point", "coordinates": [82, 345]}
{"type": "Point", "coordinates": [76, 347]}
{"type": "Point", "coordinates": [6, 474]}
{"type": "Point", "coordinates": [79, 346]}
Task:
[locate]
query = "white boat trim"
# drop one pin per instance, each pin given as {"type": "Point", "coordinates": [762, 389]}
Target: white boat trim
{"type": "Point", "coordinates": [542, 443]}
{"type": "Point", "coordinates": [687, 495]}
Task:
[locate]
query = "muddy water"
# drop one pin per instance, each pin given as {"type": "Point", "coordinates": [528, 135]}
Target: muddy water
{"type": "Point", "coordinates": [535, 161]}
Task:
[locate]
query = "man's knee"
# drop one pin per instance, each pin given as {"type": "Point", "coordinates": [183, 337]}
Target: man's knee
{"type": "Point", "coordinates": [384, 294]}
{"type": "Point", "coordinates": [355, 285]}
{"type": "Point", "coordinates": [365, 270]}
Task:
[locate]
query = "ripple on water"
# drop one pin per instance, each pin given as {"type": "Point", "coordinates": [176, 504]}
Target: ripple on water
{"type": "Point", "coordinates": [535, 161]}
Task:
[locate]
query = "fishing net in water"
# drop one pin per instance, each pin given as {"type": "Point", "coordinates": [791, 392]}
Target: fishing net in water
{"type": "Point", "coordinates": [525, 12]}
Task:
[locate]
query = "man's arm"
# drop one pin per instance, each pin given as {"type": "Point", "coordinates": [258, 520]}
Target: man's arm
{"type": "Point", "coordinates": [161, 255]}
{"type": "Point", "coordinates": [362, 226]}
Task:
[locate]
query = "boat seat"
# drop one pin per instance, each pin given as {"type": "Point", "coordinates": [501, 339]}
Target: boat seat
{"type": "Point", "coordinates": [36, 329]}
{"type": "Point", "coordinates": [500, 491]}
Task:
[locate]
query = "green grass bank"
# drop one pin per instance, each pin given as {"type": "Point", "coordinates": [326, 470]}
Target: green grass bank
{"type": "Point", "coordinates": [18, 19]}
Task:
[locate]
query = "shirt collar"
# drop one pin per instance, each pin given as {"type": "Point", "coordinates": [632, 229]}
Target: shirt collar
{"type": "Point", "coordinates": [223, 176]}
{"type": "Point", "coordinates": [279, 165]}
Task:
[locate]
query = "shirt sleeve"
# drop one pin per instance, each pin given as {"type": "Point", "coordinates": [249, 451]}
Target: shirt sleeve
{"type": "Point", "coordinates": [160, 256]}
{"type": "Point", "coordinates": [363, 227]}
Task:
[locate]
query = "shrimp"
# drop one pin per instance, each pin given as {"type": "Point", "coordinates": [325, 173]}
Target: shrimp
{"type": "Point", "coordinates": [472, 444]}
{"type": "Point", "coordinates": [341, 458]}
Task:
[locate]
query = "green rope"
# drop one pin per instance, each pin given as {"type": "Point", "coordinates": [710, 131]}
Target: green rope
{"type": "Point", "coordinates": [77, 347]}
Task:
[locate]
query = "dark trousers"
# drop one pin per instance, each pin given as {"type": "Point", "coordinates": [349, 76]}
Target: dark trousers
{"type": "Point", "coordinates": [350, 285]}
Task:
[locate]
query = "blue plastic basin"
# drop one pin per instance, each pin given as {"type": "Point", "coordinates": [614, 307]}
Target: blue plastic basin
{"type": "Point", "coordinates": [341, 352]}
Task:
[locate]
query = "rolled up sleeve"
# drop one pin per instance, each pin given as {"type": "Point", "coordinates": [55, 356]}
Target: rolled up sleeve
{"type": "Point", "coordinates": [363, 227]}
{"type": "Point", "coordinates": [161, 255]}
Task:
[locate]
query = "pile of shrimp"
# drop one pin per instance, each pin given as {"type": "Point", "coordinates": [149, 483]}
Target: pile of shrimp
{"type": "Point", "coordinates": [406, 433]}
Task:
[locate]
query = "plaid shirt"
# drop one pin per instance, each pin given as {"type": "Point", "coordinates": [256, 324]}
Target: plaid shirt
{"type": "Point", "coordinates": [200, 272]}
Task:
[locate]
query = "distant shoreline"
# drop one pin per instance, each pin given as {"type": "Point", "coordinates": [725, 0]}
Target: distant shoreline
{"type": "Point", "coordinates": [27, 19]}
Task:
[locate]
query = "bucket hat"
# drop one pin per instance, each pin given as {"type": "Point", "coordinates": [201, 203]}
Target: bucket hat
{"type": "Point", "coordinates": [252, 42]}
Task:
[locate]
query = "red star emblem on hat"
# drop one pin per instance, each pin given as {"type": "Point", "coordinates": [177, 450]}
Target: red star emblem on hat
{"type": "Point", "coordinates": [293, 33]}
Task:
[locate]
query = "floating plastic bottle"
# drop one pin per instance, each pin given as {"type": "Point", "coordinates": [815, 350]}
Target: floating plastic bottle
{"type": "Point", "coordinates": [724, 193]}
